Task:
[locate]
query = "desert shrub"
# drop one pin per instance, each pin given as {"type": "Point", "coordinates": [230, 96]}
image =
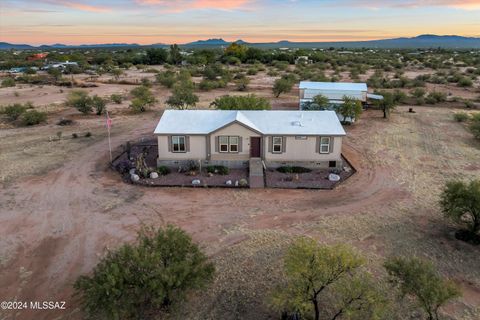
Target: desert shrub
{"type": "Point", "coordinates": [418, 93]}
{"type": "Point", "coordinates": [166, 78]}
{"type": "Point", "coordinates": [221, 170]}
{"type": "Point", "coordinates": [399, 96]}
{"type": "Point", "coordinates": [436, 97]}
{"type": "Point", "coordinates": [14, 111]}
{"type": "Point", "coordinates": [282, 85]}
{"type": "Point", "coordinates": [475, 126]}
{"type": "Point", "coordinates": [252, 71]}
{"type": "Point", "coordinates": [207, 85]}
{"type": "Point", "coordinates": [460, 202]}
{"type": "Point", "coordinates": [248, 102]}
{"type": "Point", "coordinates": [182, 96]}
{"type": "Point", "coordinates": [142, 99]}
{"type": "Point", "coordinates": [163, 170]}
{"type": "Point", "coordinates": [465, 82]}
{"type": "Point", "coordinates": [242, 83]}
{"type": "Point", "coordinates": [80, 100]}
{"type": "Point", "coordinates": [294, 169]}
{"type": "Point", "coordinates": [8, 82]}
{"type": "Point", "coordinates": [155, 273]}
{"type": "Point", "coordinates": [64, 122]}
{"type": "Point", "coordinates": [461, 116]}
{"type": "Point", "coordinates": [33, 117]}
{"type": "Point", "coordinates": [98, 104]}
{"type": "Point", "coordinates": [116, 98]}
{"type": "Point", "coordinates": [123, 166]}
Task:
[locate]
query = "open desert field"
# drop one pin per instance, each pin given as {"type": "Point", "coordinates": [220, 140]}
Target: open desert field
{"type": "Point", "coordinates": [62, 206]}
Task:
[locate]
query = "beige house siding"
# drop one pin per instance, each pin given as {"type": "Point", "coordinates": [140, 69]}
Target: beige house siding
{"type": "Point", "coordinates": [234, 129]}
{"type": "Point", "coordinates": [197, 149]}
{"type": "Point", "coordinates": [303, 150]}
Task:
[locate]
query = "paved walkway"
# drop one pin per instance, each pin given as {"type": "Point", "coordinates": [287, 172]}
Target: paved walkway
{"type": "Point", "coordinates": [257, 180]}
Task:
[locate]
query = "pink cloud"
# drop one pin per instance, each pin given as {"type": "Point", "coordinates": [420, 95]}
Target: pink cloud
{"type": "Point", "coordinates": [78, 5]}
{"type": "Point", "coordinates": [377, 4]}
{"type": "Point", "coordinates": [183, 5]}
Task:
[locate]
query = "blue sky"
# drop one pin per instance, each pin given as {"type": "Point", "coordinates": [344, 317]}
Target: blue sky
{"type": "Point", "coordinates": [155, 21]}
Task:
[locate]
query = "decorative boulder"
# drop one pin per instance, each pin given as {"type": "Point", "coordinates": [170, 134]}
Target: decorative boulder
{"type": "Point", "coordinates": [196, 182]}
{"type": "Point", "coordinates": [229, 182]}
{"type": "Point", "coordinates": [153, 175]}
{"type": "Point", "coordinates": [135, 177]}
{"type": "Point", "coordinates": [236, 183]}
{"type": "Point", "coordinates": [243, 182]}
{"type": "Point", "coordinates": [132, 171]}
{"type": "Point", "coordinates": [333, 177]}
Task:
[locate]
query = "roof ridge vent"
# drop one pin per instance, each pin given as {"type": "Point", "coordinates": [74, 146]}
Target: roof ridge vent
{"type": "Point", "coordinates": [297, 124]}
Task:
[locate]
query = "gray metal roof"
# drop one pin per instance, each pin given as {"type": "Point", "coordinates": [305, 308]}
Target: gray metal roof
{"type": "Point", "coordinates": [340, 86]}
{"type": "Point", "coordinates": [265, 122]}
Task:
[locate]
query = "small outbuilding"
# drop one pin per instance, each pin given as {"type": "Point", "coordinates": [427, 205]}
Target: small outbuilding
{"type": "Point", "coordinates": [334, 91]}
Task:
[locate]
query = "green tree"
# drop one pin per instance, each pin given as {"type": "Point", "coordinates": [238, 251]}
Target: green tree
{"type": "Point", "coordinates": [154, 273]}
{"type": "Point", "coordinates": [116, 73]}
{"type": "Point", "coordinates": [282, 85]}
{"type": "Point", "coordinates": [142, 98]}
{"type": "Point", "coordinates": [98, 104]}
{"type": "Point", "coordinates": [56, 73]}
{"type": "Point", "coordinates": [249, 102]}
{"type": "Point", "coordinates": [182, 96]}
{"type": "Point", "coordinates": [175, 56]}
{"type": "Point", "coordinates": [419, 279]}
{"type": "Point", "coordinates": [156, 56]}
{"type": "Point", "coordinates": [350, 109]}
{"type": "Point", "coordinates": [316, 272]}
{"type": "Point", "coordinates": [460, 202]}
{"type": "Point", "coordinates": [387, 104]}
{"type": "Point", "coordinates": [237, 50]}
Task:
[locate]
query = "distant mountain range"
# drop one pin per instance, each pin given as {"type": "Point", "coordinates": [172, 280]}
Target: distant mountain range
{"type": "Point", "coordinates": [421, 42]}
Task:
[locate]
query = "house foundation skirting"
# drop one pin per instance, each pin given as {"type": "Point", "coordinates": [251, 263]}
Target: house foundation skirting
{"type": "Point", "coordinates": [338, 164]}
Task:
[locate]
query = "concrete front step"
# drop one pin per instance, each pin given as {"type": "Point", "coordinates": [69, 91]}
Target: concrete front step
{"type": "Point", "coordinates": [256, 178]}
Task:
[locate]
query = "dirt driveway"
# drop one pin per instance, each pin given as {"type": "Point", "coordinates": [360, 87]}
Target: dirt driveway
{"type": "Point", "coordinates": [56, 226]}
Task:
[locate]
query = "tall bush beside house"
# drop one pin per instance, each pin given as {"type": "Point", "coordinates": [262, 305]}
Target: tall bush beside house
{"type": "Point", "coordinates": [460, 202]}
{"type": "Point", "coordinates": [350, 109]}
{"type": "Point", "coordinates": [419, 279]}
{"type": "Point", "coordinates": [182, 96]}
{"type": "Point", "coordinates": [154, 274]}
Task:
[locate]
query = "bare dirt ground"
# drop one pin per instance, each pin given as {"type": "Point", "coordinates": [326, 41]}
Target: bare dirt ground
{"type": "Point", "coordinates": [56, 225]}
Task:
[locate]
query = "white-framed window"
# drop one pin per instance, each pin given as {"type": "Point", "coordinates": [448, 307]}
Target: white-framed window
{"type": "Point", "coordinates": [233, 142]}
{"type": "Point", "coordinates": [324, 144]}
{"type": "Point", "coordinates": [178, 144]}
{"type": "Point", "coordinates": [228, 144]}
{"type": "Point", "coordinates": [277, 144]}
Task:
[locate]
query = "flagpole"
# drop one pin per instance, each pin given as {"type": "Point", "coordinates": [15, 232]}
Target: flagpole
{"type": "Point", "coordinates": [109, 142]}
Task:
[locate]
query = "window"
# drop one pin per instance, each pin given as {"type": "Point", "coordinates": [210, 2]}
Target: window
{"type": "Point", "coordinates": [178, 144]}
{"type": "Point", "coordinates": [223, 142]}
{"type": "Point", "coordinates": [228, 144]}
{"type": "Point", "coordinates": [233, 141]}
{"type": "Point", "coordinates": [277, 145]}
{"type": "Point", "coordinates": [324, 144]}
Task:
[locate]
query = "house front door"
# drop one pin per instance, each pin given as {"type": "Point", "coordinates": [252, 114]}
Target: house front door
{"type": "Point", "coordinates": [255, 147]}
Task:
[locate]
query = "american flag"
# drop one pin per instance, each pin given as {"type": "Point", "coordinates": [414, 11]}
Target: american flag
{"type": "Point", "coordinates": [109, 121]}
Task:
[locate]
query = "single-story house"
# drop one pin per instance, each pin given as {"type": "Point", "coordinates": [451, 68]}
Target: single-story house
{"type": "Point", "coordinates": [231, 138]}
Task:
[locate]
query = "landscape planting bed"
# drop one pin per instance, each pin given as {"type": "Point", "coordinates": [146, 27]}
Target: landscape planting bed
{"type": "Point", "coordinates": [316, 179]}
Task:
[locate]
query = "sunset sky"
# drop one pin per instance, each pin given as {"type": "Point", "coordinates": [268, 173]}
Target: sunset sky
{"type": "Point", "coordinates": [179, 21]}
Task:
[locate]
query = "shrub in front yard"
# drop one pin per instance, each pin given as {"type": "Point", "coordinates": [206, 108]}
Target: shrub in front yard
{"type": "Point", "coordinates": [221, 170]}
{"type": "Point", "coordinates": [33, 117]}
{"type": "Point", "coordinates": [163, 170]}
{"type": "Point", "coordinates": [289, 169]}
{"type": "Point", "coordinates": [8, 82]}
{"type": "Point", "coordinates": [461, 116]}
{"type": "Point", "coordinates": [14, 111]}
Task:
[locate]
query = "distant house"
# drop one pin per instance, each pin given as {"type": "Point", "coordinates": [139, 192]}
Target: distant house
{"type": "Point", "coordinates": [231, 138]}
{"type": "Point", "coordinates": [303, 60]}
{"type": "Point", "coordinates": [37, 56]}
